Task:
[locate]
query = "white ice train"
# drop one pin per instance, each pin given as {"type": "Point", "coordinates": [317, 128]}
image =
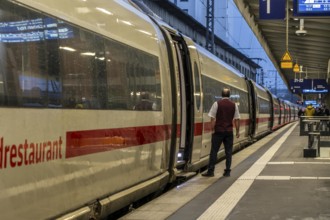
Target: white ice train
{"type": "Point", "coordinates": [73, 143]}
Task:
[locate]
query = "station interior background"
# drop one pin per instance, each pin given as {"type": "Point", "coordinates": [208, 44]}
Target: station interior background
{"type": "Point", "coordinates": [231, 27]}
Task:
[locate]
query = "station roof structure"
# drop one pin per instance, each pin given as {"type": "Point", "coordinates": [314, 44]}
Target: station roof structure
{"type": "Point", "coordinates": [173, 11]}
{"type": "Point", "coordinates": [310, 50]}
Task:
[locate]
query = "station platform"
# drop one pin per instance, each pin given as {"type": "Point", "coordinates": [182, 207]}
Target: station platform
{"type": "Point", "coordinates": [270, 179]}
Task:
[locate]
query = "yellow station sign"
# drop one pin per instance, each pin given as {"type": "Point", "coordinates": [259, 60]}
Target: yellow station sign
{"type": "Point", "coordinates": [286, 57]}
{"type": "Point", "coordinates": [286, 61]}
{"type": "Point", "coordinates": [286, 65]}
{"type": "Point", "coordinates": [296, 68]}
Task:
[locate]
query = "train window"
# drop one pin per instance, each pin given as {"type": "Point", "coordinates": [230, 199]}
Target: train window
{"type": "Point", "coordinates": [28, 52]}
{"type": "Point", "coordinates": [264, 106]}
{"type": "Point", "coordinates": [110, 75]}
{"type": "Point", "coordinates": [241, 99]}
{"type": "Point", "coordinates": [133, 78]}
{"type": "Point", "coordinates": [276, 109]}
{"type": "Point", "coordinates": [82, 68]}
{"type": "Point", "coordinates": [213, 90]}
{"type": "Point", "coordinates": [243, 102]}
{"type": "Point", "coordinates": [46, 62]}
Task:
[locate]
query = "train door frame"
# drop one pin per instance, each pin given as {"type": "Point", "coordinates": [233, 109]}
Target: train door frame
{"type": "Point", "coordinates": [186, 97]}
{"type": "Point", "coordinates": [272, 112]}
{"type": "Point", "coordinates": [172, 160]}
{"type": "Point", "coordinates": [197, 97]}
{"type": "Point", "coordinates": [252, 108]}
{"type": "Point", "coordinates": [179, 156]}
{"type": "Point", "coordinates": [280, 111]}
{"type": "Point", "coordinates": [183, 97]}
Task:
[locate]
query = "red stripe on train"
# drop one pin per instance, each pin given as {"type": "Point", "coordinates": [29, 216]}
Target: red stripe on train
{"type": "Point", "coordinates": [243, 122]}
{"type": "Point", "coordinates": [93, 141]}
{"type": "Point", "coordinates": [80, 143]}
{"type": "Point", "coordinates": [260, 120]}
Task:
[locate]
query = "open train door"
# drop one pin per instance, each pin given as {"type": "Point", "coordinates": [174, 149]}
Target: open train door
{"type": "Point", "coordinates": [252, 108]}
{"type": "Point", "coordinates": [182, 128]}
{"type": "Point", "coordinates": [196, 117]}
{"type": "Point", "coordinates": [272, 110]}
{"type": "Point", "coordinates": [185, 99]}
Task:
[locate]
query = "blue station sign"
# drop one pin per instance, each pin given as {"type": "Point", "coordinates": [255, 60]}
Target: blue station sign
{"type": "Point", "coordinates": [297, 85]}
{"type": "Point", "coordinates": [305, 86]}
{"type": "Point", "coordinates": [272, 9]}
{"type": "Point", "coordinates": [311, 7]}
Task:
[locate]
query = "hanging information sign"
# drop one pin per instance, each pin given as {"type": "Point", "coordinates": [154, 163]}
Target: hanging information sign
{"type": "Point", "coordinates": [286, 61]}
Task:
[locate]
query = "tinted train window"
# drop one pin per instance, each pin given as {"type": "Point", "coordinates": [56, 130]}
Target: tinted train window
{"type": "Point", "coordinates": [244, 102]}
{"type": "Point", "coordinates": [29, 69]}
{"type": "Point", "coordinates": [276, 109]}
{"type": "Point", "coordinates": [264, 106]}
{"type": "Point", "coordinates": [213, 90]}
{"type": "Point", "coordinates": [46, 62]}
{"type": "Point", "coordinates": [133, 78]}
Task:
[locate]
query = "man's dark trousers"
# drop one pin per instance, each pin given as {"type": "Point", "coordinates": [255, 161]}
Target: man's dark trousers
{"type": "Point", "coordinates": [227, 138]}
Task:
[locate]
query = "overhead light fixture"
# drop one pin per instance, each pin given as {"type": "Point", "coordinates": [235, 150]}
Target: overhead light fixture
{"type": "Point", "coordinates": [88, 54]}
{"type": "Point", "coordinates": [68, 49]}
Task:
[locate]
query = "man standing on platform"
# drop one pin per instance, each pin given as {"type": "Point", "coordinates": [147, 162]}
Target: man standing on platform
{"type": "Point", "coordinates": [222, 114]}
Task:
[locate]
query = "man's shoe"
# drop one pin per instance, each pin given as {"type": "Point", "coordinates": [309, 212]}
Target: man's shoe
{"type": "Point", "coordinates": [226, 173]}
{"type": "Point", "coordinates": [207, 174]}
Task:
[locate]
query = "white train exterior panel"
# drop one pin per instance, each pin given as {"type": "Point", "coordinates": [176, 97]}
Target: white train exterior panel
{"type": "Point", "coordinates": [91, 173]}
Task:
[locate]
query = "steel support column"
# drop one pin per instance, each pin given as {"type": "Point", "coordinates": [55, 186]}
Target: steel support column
{"type": "Point", "coordinates": [210, 25]}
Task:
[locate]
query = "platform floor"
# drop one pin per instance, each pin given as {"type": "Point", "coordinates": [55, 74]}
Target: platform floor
{"type": "Point", "coordinates": [270, 179]}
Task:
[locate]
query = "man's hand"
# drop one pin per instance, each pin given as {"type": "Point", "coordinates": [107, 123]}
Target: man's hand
{"type": "Point", "coordinates": [212, 124]}
{"type": "Point", "coordinates": [237, 125]}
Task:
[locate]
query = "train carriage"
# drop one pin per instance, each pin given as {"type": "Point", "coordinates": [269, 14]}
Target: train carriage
{"type": "Point", "coordinates": [215, 76]}
{"type": "Point", "coordinates": [276, 112]}
{"type": "Point", "coordinates": [71, 87]}
{"type": "Point", "coordinates": [262, 109]}
{"type": "Point", "coordinates": [286, 112]}
{"type": "Point", "coordinates": [282, 111]}
{"type": "Point", "coordinates": [293, 112]}
{"type": "Point", "coordinates": [102, 105]}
